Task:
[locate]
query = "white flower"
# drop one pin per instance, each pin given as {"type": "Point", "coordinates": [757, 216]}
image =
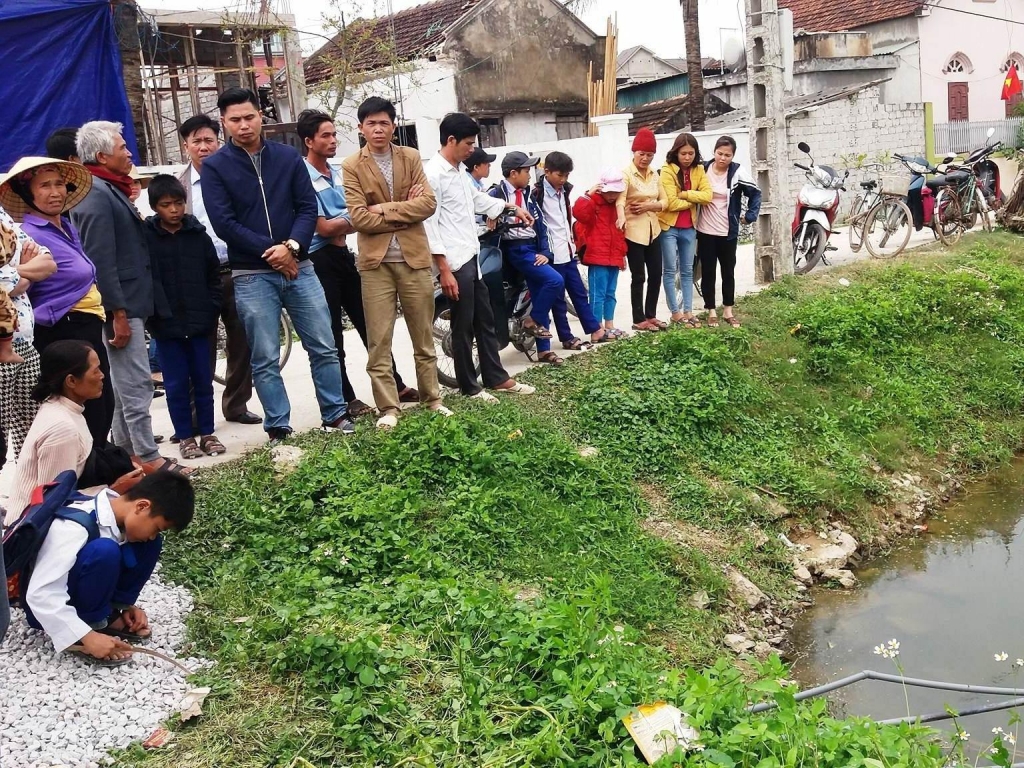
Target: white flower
{"type": "Point", "coordinates": [619, 628]}
{"type": "Point", "coordinates": [1001, 656]}
{"type": "Point", "coordinates": [1011, 739]}
{"type": "Point", "coordinates": [964, 736]}
{"type": "Point", "coordinates": [997, 730]}
{"type": "Point", "coordinates": [792, 361]}
{"type": "Point", "coordinates": [1020, 662]}
{"type": "Point", "coordinates": [612, 684]}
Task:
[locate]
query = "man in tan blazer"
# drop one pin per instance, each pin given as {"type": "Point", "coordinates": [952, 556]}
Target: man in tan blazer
{"type": "Point", "coordinates": [389, 198]}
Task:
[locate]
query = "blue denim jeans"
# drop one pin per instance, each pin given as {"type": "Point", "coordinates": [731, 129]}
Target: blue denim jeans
{"type": "Point", "coordinates": [188, 378]}
{"type": "Point", "coordinates": [678, 244]}
{"type": "Point", "coordinates": [547, 289]}
{"type": "Point", "coordinates": [259, 299]}
{"type": "Point", "coordinates": [570, 272]}
{"type": "Point", "coordinates": [603, 283]}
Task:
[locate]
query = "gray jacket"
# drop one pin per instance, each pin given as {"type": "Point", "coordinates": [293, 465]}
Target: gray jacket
{"type": "Point", "coordinates": [114, 238]}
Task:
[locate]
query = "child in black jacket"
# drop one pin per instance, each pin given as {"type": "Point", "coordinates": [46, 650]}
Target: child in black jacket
{"type": "Point", "coordinates": [186, 262]}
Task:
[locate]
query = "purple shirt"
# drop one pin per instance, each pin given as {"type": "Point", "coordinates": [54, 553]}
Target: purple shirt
{"type": "Point", "coordinates": [54, 297]}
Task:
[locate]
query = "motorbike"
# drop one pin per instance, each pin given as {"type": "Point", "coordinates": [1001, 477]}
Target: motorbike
{"type": "Point", "coordinates": [510, 301]}
{"type": "Point", "coordinates": [817, 205]}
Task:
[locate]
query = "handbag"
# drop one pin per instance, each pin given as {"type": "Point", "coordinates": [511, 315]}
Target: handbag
{"type": "Point", "coordinates": [106, 463]}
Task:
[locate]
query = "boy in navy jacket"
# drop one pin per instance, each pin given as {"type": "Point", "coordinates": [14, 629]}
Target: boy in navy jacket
{"type": "Point", "coordinates": [526, 249]}
{"type": "Point", "coordinates": [186, 261]}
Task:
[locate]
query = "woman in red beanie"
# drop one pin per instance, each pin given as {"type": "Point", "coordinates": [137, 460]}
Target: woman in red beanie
{"type": "Point", "coordinates": [638, 208]}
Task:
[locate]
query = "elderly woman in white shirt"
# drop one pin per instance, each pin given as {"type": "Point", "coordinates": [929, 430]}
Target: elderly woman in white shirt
{"type": "Point", "coordinates": [59, 438]}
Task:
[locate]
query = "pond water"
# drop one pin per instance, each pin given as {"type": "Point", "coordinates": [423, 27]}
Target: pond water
{"type": "Point", "coordinates": [952, 598]}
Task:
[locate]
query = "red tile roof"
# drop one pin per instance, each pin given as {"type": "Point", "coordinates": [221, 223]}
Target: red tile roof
{"type": "Point", "coordinates": [834, 16]}
{"type": "Point", "coordinates": [368, 41]}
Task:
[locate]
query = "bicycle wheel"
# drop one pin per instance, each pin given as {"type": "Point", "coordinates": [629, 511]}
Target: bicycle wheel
{"type": "Point", "coordinates": [948, 216]}
{"type": "Point", "coordinates": [887, 228]}
{"type": "Point", "coordinates": [442, 333]}
{"type": "Point", "coordinates": [220, 368]}
{"type": "Point", "coordinates": [857, 223]}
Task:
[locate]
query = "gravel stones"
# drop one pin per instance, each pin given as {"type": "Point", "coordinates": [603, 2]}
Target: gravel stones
{"type": "Point", "coordinates": [58, 710]}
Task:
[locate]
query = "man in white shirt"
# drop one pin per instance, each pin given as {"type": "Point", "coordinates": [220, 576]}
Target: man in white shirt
{"type": "Point", "coordinates": [455, 245]}
{"type": "Point", "coordinates": [200, 139]}
{"type": "Point", "coordinates": [83, 589]}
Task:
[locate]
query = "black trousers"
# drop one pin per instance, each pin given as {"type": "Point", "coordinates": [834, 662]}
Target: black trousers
{"type": "Point", "coordinates": [641, 258]}
{"type": "Point", "coordinates": [714, 250]}
{"type": "Point", "coordinates": [335, 268]}
{"type": "Point", "coordinates": [238, 377]}
{"type": "Point", "coordinates": [473, 318]}
{"type": "Point", "coordinates": [82, 326]}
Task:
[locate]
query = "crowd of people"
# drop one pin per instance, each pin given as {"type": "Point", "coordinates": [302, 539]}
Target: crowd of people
{"type": "Point", "coordinates": [90, 292]}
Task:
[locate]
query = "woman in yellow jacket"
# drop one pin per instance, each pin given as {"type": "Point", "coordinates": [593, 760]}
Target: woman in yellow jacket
{"type": "Point", "coordinates": [686, 188]}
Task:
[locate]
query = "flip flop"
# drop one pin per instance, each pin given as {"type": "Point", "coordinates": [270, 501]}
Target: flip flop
{"type": "Point", "coordinates": [100, 662]}
{"type": "Point", "coordinates": [550, 358]}
{"type": "Point", "coordinates": [732, 321]}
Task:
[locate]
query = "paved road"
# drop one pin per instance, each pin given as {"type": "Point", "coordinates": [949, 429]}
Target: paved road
{"type": "Point", "coordinates": [305, 415]}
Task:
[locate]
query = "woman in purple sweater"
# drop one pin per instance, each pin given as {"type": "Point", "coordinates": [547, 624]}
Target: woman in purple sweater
{"type": "Point", "coordinates": [38, 192]}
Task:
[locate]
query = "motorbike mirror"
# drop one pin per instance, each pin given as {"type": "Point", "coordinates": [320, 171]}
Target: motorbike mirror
{"type": "Point", "coordinates": [949, 157]}
{"type": "Point", "coordinates": [941, 168]}
{"type": "Point", "coordinates": [803, 147]}
{"type": "Point", "coordinates": [990, 133]}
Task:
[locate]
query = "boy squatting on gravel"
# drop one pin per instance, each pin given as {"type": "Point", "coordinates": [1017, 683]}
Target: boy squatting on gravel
{"type": "Point", "coordinates": [83, 592]}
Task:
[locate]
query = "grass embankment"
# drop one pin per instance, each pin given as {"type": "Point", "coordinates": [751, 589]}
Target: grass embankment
{"type": "Point", "coordinates": [474, 592]}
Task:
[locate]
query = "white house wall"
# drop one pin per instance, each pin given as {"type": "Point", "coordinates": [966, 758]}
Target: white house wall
{"type": "Point", "coordinates": [530, 128]}
{"type": "Point", "coordinates": [427, 91]}
{"type": "Point", "coordinates": [986, 42]}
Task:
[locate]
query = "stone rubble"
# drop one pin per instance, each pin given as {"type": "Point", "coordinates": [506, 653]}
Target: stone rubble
{"type": "Point", "coordinates": [59, 710]}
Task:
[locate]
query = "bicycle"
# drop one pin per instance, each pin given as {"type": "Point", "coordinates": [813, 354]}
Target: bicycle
{"type": "Point", "coordinates": [959, 204]}
{"type": "Point", "coordinates": [220, 368]}
{"type": "Point", "coordinates": [881, 210]}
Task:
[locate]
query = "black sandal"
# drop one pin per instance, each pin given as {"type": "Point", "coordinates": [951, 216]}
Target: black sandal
{"type": "Point", "coordinates": [537, 331]}
{"type": "Point", "coordinates": [550, 358]}
{"type": "Point", "coordinates": [575, 344]}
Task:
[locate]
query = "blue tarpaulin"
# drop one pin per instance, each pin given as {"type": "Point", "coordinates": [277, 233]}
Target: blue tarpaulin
{"type": "Point", "coordinates": [61, 67]}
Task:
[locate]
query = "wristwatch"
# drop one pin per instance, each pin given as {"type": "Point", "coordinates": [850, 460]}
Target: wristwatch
{"type": "Point", "coordinates": [292, 246]}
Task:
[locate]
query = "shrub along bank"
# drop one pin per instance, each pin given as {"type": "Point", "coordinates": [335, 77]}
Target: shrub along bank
{"type": "Point", "coordinates": [475, 592]}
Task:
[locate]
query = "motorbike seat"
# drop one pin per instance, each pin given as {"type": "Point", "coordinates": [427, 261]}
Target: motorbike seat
{"type": "Point", "coordinates": [956, 177]}
{"type": "Point", "coordinates": [869, 185]}
{"type": "Point", "coordinates": [937, 182]}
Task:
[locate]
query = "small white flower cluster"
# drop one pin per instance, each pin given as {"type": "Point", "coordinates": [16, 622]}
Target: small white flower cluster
{"type": "Point", "coordinates": [1009, 738]}
{"type": "Point", "coordinates": [1002, 656]}
{"type": "Point", "coordinates": [888, 650]}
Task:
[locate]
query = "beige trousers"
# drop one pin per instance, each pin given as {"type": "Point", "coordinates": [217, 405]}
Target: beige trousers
{"type": "Point", "coordinates": [383, 288]}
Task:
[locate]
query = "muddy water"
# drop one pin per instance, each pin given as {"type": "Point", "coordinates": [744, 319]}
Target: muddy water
{"type": "Point", "coordinates": [953, 598]}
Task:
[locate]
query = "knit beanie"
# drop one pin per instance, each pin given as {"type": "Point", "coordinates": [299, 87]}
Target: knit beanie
{"type": "Point", "coordinates": [644, 141]}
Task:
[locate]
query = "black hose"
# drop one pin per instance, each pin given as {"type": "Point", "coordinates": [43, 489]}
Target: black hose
{"type": "Point", "coordinates": [936, 716]}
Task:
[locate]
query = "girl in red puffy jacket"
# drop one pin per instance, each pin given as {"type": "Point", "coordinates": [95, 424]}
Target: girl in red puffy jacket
{"type": "Point", "coordinates": [601, 245]}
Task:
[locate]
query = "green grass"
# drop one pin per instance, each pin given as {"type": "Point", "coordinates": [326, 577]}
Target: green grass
{"type": "Point", "coordinates": [472, 592]}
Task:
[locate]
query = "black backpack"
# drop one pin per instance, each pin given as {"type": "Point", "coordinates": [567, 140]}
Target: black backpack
{"type": "Point", "coordinates": [23, 539]}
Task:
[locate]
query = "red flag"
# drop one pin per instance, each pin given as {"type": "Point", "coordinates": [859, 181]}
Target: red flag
{"type": "Point", "coordinates": [1011, 85]}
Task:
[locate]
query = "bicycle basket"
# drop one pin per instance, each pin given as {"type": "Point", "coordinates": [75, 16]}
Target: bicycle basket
{"type": "Point", "coordinates": [893, 184]}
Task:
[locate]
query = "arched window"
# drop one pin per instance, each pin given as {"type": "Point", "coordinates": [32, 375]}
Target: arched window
{"type": "Point", "coordinates": [958, 64]}
{"type": "Point", "coordinates": [1014, 60]}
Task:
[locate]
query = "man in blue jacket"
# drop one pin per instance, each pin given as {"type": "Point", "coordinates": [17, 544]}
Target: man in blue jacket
{"type": "Point", "coordinates": [260, 203]}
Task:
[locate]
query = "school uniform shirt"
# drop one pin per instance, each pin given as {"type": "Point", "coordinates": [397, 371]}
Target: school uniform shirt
{"type": "Point", "coordinates": [452, 228]}
{"type": "Point", "coordinates": [519, 197]}
{"type": "Point", "coordinates": [641, 187]}
{"type": "Point", "coordinates": [557, 221]}
{"type": "Point", "coordinates": [47, 593]}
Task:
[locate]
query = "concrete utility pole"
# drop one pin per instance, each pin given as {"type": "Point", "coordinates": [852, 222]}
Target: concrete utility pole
{"type": "Point", "coordinates": [773, 246]}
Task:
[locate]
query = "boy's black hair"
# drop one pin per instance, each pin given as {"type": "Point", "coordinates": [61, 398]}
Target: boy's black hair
{"type": "Point", "coordinates": [559, 162]}
{"type": "Point", "coordinates": [171, 496]}
{"type": "Point", "coordinates": [60, 145]}
{"type": "Point", "coordinates": [375, 105]}
{"type": "Point", "coordinates": [309, 123]}
{"type": "Point", "coordinates": [459, 126]}
{"type": "Point", "coordinates": [233, 96]}
{"type": "Point", "coordinates": [197, 123]}
{"type": "Point", "coordinates": [165, 185]}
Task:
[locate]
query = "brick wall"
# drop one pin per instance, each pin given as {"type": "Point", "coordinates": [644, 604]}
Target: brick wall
{"type": "Point", "coordinates": [841, 132]}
